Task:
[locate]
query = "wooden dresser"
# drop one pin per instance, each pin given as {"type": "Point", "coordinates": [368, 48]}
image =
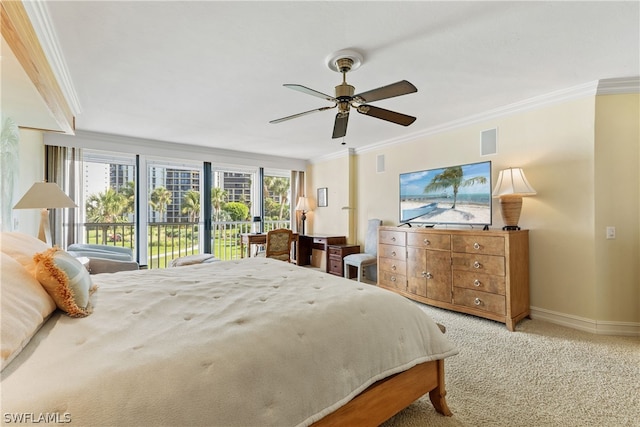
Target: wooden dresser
{"type": "Point", "coordinates": [484, 273]}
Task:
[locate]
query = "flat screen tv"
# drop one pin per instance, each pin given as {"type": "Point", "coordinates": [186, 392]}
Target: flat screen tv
{"type": "Point", "coordinates": [455, 195]}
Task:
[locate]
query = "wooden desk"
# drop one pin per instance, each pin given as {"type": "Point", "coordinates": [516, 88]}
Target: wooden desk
{"type": "Point", "coordinates": [306, 245]}
{"type": "Point", "coordinates": [337, 253]}
{"type": "Point", "coordinates": [303, 245]}
{"type": "Point", "coordinates": [257, 239]}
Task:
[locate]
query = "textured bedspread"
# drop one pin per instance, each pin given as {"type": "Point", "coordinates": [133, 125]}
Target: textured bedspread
{"type": "Point", "coordinates": [255, 342]}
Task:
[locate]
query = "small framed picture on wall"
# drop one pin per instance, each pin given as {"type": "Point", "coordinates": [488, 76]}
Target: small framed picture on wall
{"type": "Point", "coordinates": [322, 197]}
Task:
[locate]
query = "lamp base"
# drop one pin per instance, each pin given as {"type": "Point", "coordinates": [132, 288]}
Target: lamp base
{"type": "Point", "coordinates": [44, 232]}
{"type": "Point", "coordinates": [303, 218]}
{"type": "Point", "coordinates": [511, 227]}
{"type": "Point", "coordinates": [511, 206]}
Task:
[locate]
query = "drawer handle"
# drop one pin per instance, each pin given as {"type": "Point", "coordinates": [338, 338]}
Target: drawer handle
{"type": "Point", "coordinates": [393, 278]}
{"type": "Point", "coordinates": [393, 253]}
{"type": "Point", "coordinates": [476, 282]}
{"type": "Point", "coordinates": [477, 301]}
{"type": "Point", "coordinates": [427, 242]}
{"type": "Point", "coordinates": [393, 239]}
{"type": "Point", "coordinates": [393, 267]}
{"type": "Point", "coordinates": [477, 265]}
{"type": "Point", "coordinates": [476, 246]}
{"type": "Point", "coordinates": [428, 275]}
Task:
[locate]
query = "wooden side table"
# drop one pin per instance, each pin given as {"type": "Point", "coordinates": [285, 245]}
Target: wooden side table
{"type": "Point", "coordinates": [335, 255]}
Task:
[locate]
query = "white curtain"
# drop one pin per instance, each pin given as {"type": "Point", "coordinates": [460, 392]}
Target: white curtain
{"type": "Point", "coordinates": [64, 167]}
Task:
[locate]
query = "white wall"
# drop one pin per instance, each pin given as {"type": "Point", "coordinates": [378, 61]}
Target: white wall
{"type": "Point", "coordinates": [617, 204]}
{"type": "Point", "coordinates": [31, 170]}
{"type": "Point", "coordinates": [556, 146]}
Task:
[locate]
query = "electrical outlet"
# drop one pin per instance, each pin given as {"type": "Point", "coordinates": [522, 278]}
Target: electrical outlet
{"type": "Point", "coordinates": [611, 232]}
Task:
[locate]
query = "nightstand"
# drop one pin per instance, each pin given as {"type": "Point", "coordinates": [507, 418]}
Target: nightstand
{"type": "Point", "coordinates": [336, 254]}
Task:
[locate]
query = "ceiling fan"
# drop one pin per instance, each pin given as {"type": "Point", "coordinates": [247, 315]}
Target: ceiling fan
{"type": "Point", "coordinates": [344, 98]}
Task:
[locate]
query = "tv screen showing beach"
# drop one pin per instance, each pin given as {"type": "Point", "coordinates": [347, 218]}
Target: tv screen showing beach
{"type": "Point", "coordinates": [451, 195]}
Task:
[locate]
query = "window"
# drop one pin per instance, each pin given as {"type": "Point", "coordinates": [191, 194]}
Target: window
{"type": "Point", "coordinates": [108, 198]}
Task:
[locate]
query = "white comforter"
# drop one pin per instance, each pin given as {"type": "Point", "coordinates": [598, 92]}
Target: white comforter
{"type": "Point", "coordinates": [255, 342]}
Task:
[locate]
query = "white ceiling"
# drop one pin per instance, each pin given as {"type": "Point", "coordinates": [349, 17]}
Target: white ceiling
{"type": "Point", "coordinates": [210, 73]}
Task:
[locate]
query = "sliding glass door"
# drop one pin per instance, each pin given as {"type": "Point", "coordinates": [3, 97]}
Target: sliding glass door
{"type": "Point", "coordinates": [277, 199]}
{"type": "Point", "coordinates": [164, 209]}
{"type": "Point", "coordinates": [173, 201]}
{"type": "Point", "coordinates": [233, 205]}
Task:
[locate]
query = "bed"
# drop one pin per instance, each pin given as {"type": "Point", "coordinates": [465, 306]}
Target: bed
{"type": "Point", "coordinates": [253, 342]}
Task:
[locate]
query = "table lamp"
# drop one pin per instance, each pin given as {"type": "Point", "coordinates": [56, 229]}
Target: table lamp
{"type": "Point", "coordinates": [511, 186]}
{"type": "Point", "coordinates": [45, 196]}
{"type": "Point", "coordinates": [304, 206]}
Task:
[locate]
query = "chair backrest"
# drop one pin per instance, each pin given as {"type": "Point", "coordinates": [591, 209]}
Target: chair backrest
{"type": "Point", "coordinates": [278, 244]}
{"type": "Point", "coordinates": [371, 239]}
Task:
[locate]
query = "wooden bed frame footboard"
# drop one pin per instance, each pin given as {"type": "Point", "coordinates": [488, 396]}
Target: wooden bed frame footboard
{"type": "Point", "coordinates": [389, 396]}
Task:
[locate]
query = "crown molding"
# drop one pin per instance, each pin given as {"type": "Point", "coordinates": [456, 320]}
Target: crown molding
{"type": "Point", "coordinates": [41, 21]}
{"type": "Point", "coordinates": [19, 33]}
{"type": "Point", "coordinates": [619, 86]}
{"type": "Point", "coordinates": [333, 156]}
{"type": "Point", "coordinates": [578, 91]}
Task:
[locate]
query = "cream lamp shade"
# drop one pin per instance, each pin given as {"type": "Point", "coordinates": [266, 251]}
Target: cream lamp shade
{"type": "Point", "coordinates": [45, 195]}
{"type": "Point", "coordinates": [510, 187]}
{"type": "Point", "coordinates": [303, 205]}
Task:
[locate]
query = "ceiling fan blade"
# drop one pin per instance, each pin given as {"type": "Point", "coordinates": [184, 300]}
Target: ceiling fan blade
{"type": "Point", "coordinates": [388, 115]}
{"type": "Point", "coordinates": [340, 126]}
{"type": "Point", "coordinates": [283, 119]}
{"type": "Point", "coordinates": [308, 91]}
{"type": "Point", "coordinates": [395, 89]}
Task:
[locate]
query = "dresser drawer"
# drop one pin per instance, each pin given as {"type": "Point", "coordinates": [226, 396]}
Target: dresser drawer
{"type": "Point", "coordinates": [486, 245]}
{"type": "Point", "coordinates": [398, 238]}
{"type": "Point", "coordinates": [392, 280]}
{"type": "Point", "coordinates": [430, 241]}
{"type": "Point", "coordinates": [479, 281]}
{"type": "Point", "coordinates": [479, 300]}
{"type": "Point", "coordinates": [392, 265]}
{"type": "Point", "coordinates": [487, 264]}
{"type": "Point", "coordinates": [393, 252]}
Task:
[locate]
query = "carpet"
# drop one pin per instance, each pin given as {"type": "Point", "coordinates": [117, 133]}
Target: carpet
{"type": "Point", "coordinates": [541, 375]}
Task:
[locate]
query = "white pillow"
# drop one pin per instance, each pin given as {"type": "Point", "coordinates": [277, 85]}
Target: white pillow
{"type": "Point", "coordinates": [25, 305]}
{"type": "Point", "coordinates": [22, 248]}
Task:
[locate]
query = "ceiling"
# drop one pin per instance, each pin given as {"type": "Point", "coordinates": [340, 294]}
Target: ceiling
{"type": "Point", "coordinates": [210, 73]}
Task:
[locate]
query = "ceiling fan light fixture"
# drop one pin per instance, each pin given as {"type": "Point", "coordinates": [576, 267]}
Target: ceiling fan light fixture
{"type": "Point", "coordinates": [343, 62]}
{"type": "Point", "coordinates": [345, 91]}
{"type": "Point", "coordinates": [339, 60]}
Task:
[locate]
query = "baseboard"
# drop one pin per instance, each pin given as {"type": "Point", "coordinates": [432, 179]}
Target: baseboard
{"type": "Point", "coordinates": [599, 327]}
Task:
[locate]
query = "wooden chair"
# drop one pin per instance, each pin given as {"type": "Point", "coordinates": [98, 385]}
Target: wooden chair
{"type": "Point", "coordinates": [278, 244]}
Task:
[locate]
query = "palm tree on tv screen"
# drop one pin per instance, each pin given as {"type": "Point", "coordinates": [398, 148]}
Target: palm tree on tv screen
{"type": "Point", "coordinates": [452, 177]}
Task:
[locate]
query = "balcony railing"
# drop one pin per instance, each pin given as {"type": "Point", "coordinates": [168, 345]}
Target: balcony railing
{"type": "Point", "coordinates": [169, 240]}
